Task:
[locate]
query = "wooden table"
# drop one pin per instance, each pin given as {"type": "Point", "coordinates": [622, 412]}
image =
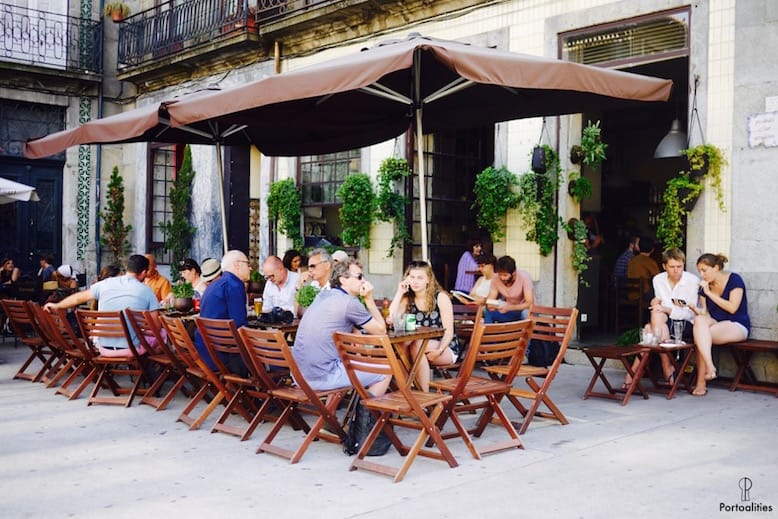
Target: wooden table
{"type": "Point", "coordinates": [623, 354]}
{"type": "Point", "coordinates": [289, 330]}
{"type": "Point", "coordinates": [422, 333]}
{"type": "Point", "coordinates": [681, 377]}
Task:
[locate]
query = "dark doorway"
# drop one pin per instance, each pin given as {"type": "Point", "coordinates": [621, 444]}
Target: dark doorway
{"type": "Point", "coordinates": [32, 228]}
{"type": "Point", "coordinates": [630, 185]}
{"type": "Point", "coordinates": [453, 159]}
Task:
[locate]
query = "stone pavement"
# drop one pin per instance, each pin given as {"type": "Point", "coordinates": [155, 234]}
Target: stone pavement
{"type": "Point", "coordinates": [652, 458]}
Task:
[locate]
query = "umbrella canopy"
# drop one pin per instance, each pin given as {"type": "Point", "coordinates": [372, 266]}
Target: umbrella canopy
{"type": "Point", "coordinates": [11, 191]}
{"type": "Point", "coordinates": [373, 96]}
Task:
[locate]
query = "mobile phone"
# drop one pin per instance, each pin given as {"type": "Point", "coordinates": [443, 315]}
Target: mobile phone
{"type": "Point", "coordinates": [679, 302]}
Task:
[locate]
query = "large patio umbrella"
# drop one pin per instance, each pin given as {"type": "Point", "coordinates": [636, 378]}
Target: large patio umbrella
{"type": "Point", "coordinates": [149, 123]}
{"type": "Point", "coordinates": [11, 192]}
{"type": "Point", "coordinates": [373, 96]}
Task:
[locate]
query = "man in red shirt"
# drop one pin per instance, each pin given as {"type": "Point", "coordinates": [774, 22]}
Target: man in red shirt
{"type": "Point", "coordinates": [514, 287]}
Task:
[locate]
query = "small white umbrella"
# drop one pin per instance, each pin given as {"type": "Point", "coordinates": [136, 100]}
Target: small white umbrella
{"type": "Point", "coordinates": [11, 191]}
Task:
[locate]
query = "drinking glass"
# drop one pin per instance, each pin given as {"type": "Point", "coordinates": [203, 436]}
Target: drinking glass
{"type": "Point", "coordinates": [658, 335]}
{"type": "Point", "coordinates": [678, 331]}
{"type": "Point", "coordinates": [257, 305]}
{"type": "Point", "coordinates": [399, 322]}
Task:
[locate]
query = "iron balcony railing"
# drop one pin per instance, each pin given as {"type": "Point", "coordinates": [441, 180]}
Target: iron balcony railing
{"type": "Point", "coordinates": [50, 40]}
{"type": "Point", "coordinates": [167, 28]}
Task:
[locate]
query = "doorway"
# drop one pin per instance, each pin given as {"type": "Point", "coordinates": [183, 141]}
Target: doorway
{"type": "Point", "coordinates": [32, 228]}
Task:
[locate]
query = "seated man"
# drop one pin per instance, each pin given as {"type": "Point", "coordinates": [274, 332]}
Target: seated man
{"type": "Point", "coordinates": [642, 266]}
{"type": "Point", "coordinates": [515, 288]}
{"type": "Point", "coordinates": [281, 285]}
{"type": "Point", "coordinates": [319, 269]}
{"type": "Point", "coordinates": [338, 310]}
{"type": "Point", "coordinates": [117, 293]}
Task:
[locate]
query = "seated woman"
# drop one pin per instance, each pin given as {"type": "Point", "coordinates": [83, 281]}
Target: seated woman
{"type": "Point", "coordinates": [673, 290]}
{"type": "Point", "coordinates": [467, 268]}
{"type": "Point", "coordinates": [419, 293]}
{"type": "Point", "coordinates": [722, 314]}
{"type": "Point", "coordinates": [483, 285]}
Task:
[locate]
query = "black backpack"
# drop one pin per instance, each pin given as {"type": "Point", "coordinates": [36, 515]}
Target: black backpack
{"type": "Point", "coordinates": [542, 353]}
{"type": "Point", "coordinates": [358, 425]}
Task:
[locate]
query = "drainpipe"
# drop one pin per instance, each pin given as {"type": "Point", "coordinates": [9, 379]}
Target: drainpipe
{"type": "Point", "coordinates": [277, 69]}
{"type": "Point", "coordinates": [99, 155]}
{"type": "Point", "coordinates": [556, 247]}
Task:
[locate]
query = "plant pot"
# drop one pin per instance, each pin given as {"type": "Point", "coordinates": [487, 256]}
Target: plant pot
{"type": "Point", "coordinates": [117, 15]}
{"type": "Point", "coordinates": [539, 160]}
{"type": "Point", "coordinates": [571, 188]}
{"type": "Point", "coordinates": [571, 224]}
{"type": "Point", "coordinates": [689, 204]}
{"type": "Point", "coordinates": [576, 154]}
{"type": "Point", "coordinates": [183, 304]}
{"type": "Point", "coordinates": [256, 287]}
{"type": "Point", "coordinates": [697, 174]}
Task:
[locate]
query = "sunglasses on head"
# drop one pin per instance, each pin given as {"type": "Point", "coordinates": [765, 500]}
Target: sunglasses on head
{"type": "Point", "coordinates": [417, 263]}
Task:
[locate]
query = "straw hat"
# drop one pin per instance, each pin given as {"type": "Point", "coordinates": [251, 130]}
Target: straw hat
{"type": "Point", "coordinates": [211, 269]}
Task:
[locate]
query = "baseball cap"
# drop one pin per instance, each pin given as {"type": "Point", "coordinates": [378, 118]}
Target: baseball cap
{"type": "Point", "coordinates": [187, 264]}
{"type": "Point", "coordinates": [339, 255]}
{"type": "Point", "coordinates": [211, 269]}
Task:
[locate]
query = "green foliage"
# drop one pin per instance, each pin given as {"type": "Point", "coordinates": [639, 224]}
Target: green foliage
{"type": "Point", "coordinates": [284, 205]}
{"type": "Point", "coordinates": [579, 257]}
{"type": "Point", "coordinates": [628, 338]}
{"type": "Point", "coordinates": [392, 204]}
{"type": "Point", "coordinates": [358, 209]}
{"type": "Point", "coordinates": [494, 195]}
{"type": "Point", "coordinates": [537, 204]}
{"type": "Point", "coordinates": [580, 187]}
{"type": "Point", "coordinates": [592, 145]}
{"type": "Point", "coordinates": [178, 231]}
{"type": "Point", "coordinates": [306, 295]}
{"type": "Point", "coordinates": [183, 290]}
{"type": "Point", "coordinates": [708, 155]}
{"type": "Point", "coordinates": [256, 277]}
{"type": "Point", "coordinates": [115, 233]}
{"type": "Point", "coordinates": [679, 191]}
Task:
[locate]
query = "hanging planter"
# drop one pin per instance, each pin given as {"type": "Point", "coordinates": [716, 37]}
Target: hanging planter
{"type": "Point", "coordinates": [579, 187]}
{"type": "Point", "coordinates": [576, 154]}
{"type": "Point", "coordinates": [705, 161]}
{"type": "Point", "coordinates": [539, 160]}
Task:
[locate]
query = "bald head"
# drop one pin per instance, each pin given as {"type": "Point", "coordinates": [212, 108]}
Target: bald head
{"type": "Point", "coordinates": [237, 263]}
{"type": "Point", "coordinates": [274, 270]}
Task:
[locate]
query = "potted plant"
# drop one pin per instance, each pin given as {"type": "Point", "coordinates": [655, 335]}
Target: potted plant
{"type": "Point", "coordinates": [495, 193]}
{"type": "Point", "coordinates": [591, 144]}
{"type": "Point", "coordinates": [679, 197]}
{"type": "Point", "coordinates": [579, 187]}
{"type": "Point", "coordinates": [537, 203]}
{"type": "Point", "coordinates": [576, 154]}
{"type": "Point", "coordinates": [284, 205]}
{"type": "Point", "coordinates": [118, 11]}
{"type": "Point", "coordinates": [178, 231]}
{"type": "Point", "coordinates": [256, 282]}
{"type": "Point", "coordinates": [391, 203]}
{"type": "Point", "coordinates": [183, 292]}
{"type": "Point", "coordinates": [115, 233]}
{"type": "Point", "coordinates": [576, 231]}
{"type": "Point", "coordinates": [357, 210]}
{"type": "Point", "coordinates": [705, 162]}
{"type": "Point", "coordinates": [306, 294]}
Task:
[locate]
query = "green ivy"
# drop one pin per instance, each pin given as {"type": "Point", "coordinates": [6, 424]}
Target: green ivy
{"type": "Point", "coordinates": [391, 204]}
{"type": "Point", "coordinates": [579, 257]}
{"type": "Point", "coordinates": [537, 205]}
{"type": "Point", "coordinates": [178, 231]}
{"type": "Point", "coordinates": [284, 205]}
{"type": "Point", "coordinates": [358, 209]}
{"type": "Point", "coordinates": [115, 233]}
{"type": "Point", "coordinates": [592, 145]}
{"type": "Point", "coordinates": [494, 195]}
{"type": "Point", "coordinates": [715, 160]}
{"type": "Point", "coordinates": [580, 186]}
{"type": "Point", "coordinates": [669, 230]}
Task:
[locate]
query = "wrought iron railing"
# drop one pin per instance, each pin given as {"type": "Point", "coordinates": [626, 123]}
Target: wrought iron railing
{"type": "Point", "coordinates": [168, 28]}
{"type": "Point", "coordinates": [50, 40]}
{"type": "Point", "coordinates": [271, 10]}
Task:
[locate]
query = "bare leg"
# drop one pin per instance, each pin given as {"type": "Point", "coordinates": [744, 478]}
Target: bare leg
{"type": "Point", "coordinates": [379, 388]}
{"type": "Point", "coordinates": [423, 371]}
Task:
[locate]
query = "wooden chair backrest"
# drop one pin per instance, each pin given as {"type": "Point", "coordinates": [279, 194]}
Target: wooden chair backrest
{"type": "Point", "coordinates": [183, 346]}
{"type": "Point", "coordinates": [220, 336]}
{"type": "Point", "coordinates": [369, 354]}
{"type": "Point", "coordinates": [97, 324]}
{"type": "Point", "coordinates": [23, 323]}
{"type": "Point", "coordinates": [554, 324]}
{"type": "Point", "coordinates": [267, 349]}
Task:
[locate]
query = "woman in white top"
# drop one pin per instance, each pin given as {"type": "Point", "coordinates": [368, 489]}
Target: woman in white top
{"type": "Point", "coordinates": [674, 290]}
{"type": "Point", "coordinates": [483, 285]}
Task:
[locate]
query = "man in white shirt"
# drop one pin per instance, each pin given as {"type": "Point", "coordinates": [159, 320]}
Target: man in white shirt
{"type": "Point", "coordinates": [281, 285]}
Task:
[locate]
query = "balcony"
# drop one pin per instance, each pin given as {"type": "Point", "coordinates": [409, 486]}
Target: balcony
{"type": "Point", "coordinates": [39, 46]}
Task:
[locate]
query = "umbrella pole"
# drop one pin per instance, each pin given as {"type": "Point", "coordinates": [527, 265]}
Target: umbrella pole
{"type": "Point", "coordinates": [220, 165]}
{"type": "Point", "coordinates": [422, 186]}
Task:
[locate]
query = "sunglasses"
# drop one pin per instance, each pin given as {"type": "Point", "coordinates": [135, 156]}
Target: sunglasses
{"type": "Point", "coordinates": [360, 277]}
{"type": "Point", "coordinates": [418, 263]}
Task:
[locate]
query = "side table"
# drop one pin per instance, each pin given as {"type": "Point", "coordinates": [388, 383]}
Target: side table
{"type": "Point", "coordinates": [623, 354]}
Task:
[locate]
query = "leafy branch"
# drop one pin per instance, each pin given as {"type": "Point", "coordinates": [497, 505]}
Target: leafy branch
{"type": "Point", "coordinates": [391, 204]}
{"type": "Point", "coordinates": [284, 205]}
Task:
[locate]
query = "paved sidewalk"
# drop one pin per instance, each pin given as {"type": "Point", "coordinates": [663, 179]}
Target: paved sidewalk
{"type": "Point", "coordinates": [651, 458]}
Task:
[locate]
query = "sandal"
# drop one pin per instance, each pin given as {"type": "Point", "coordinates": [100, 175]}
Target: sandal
{"type": "Point", "coordinates": [670, 378]}
{"type": "Point", "coordinates": [625, 386]}
{"type": "Point", "coordinates": [697, 392]}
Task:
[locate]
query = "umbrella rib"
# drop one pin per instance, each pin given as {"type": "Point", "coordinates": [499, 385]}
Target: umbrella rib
{"type": "Point", "coordinates": [380, 90]}
{"type": "Point", "coordinates": [235, 128]}
{"type": "Point", "coordinates": [452, 88]}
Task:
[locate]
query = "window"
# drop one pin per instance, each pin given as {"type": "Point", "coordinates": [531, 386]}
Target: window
{"type": "Point", "coordinates": [320, 176]}
{"type": "Point", "coordinates": [164, 161]}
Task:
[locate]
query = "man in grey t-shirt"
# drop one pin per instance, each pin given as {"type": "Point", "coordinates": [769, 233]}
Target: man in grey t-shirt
{"type": "Point", "coordinates": [338, 310]}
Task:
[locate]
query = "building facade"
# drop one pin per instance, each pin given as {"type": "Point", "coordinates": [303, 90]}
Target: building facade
{"type": "Point", "coordinates": [711, 49]}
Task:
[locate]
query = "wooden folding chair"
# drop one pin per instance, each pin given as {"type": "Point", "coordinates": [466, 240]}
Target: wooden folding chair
{"type": "Point", "coordinates": [268, 350]}
{"type": "Point", "coordinates": [551, 324]}
{"type": "Point", "coordinates": [465, 317]}
{"type": "Point", "coordinates": [404, 407]}
{"type": "Point", "coordinates": [29, 333]}
{"type": "Point", "coordinates": [99, 325]}
{"type": "Point", "coordinates": [221, 337]}
{"type": "Point", "coordinates": [207, 383]}
{"type": "Point", "coordinates": [78, 349]}
{"type": "Point", "coordinates": [148, 330]}
{"type": "Point", "coordinates": [498, 344]}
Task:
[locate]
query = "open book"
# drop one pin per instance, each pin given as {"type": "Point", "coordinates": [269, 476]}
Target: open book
{"type": "Point", "coordinates": [467, 299]}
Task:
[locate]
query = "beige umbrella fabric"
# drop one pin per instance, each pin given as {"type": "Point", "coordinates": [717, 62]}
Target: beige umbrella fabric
{"type": "Point", "coordinates": [11, 192]}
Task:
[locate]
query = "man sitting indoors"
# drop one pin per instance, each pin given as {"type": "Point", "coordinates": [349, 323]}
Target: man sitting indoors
{"type": "Point", "coordinates": [338, 310]}
{"type": "Point", "coordinates": [642, 266]}
{"type": "Point", "coordinates": [117, 293]}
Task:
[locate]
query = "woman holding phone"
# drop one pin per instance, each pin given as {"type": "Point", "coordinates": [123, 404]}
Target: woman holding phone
{"type": "Point", "coordinates": [673, 290]}
{"type": "Point", "coordinates": [722, 314]}
{"type": "Point", "coordinates": [420, 294]}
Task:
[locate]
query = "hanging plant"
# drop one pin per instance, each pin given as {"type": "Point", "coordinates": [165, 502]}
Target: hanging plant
{"type": "Point", "coordinates": [537, 205]}
{"type": "Point", "coordinates": [679, 193]}
{"type": "Point", "coordinates": [391, 204]}
{"type": "Point", "coordinates": [579, 257]}
{"type": "Point", "coordinates": [579, 187]}
{"type": "Point", "coordinates": [178, 231]}
{"type": "Point", "coordinates": [115, 233]}
{"type": "Point", "coordinates": [592, 146]}
{"type": "Point", "coordinates": [705, 162]}
{"type": "Point", "coordinates": [284, 205]}
{"type": "Point", "coordinates": [358, 209]}
{"type": "Point", "coordinates": [495, 194]}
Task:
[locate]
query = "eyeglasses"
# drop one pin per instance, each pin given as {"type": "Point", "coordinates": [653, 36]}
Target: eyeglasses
{"type": "Point", "coordinates": [243, 261]}
{"type": "Point", "coordinates": [270, 277]}
{"type": "Point", "coordinates": [313, 265]}
{"type": "Point", "coordinates": [359, 276]}
{"type": "Point", "coordinates": [417, 263]}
